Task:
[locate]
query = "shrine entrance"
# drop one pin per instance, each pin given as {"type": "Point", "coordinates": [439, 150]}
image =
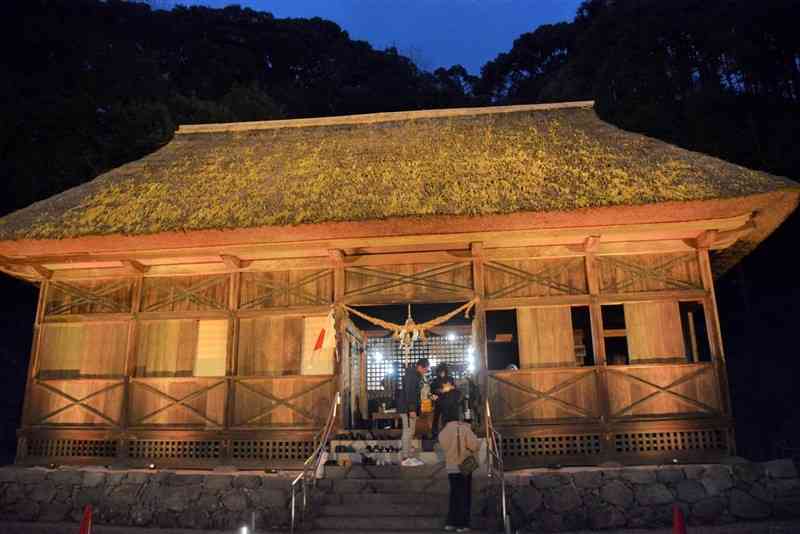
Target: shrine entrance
{"type": "Point", "coordinates": [378, 360]}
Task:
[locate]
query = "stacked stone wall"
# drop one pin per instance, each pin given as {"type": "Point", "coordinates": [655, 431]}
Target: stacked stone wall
{"type": "Point", "coordinates": [540, 500]}
{"type": "Point", "coordinates": [144, 498]}
{"type": "Point", "coordinates": [644, 497]}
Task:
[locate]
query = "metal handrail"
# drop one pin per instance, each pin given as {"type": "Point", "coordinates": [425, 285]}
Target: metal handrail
{"type": "Point", "coordinates": [312, 463]}
{"type": "Point", "coordinates": [494, 449]}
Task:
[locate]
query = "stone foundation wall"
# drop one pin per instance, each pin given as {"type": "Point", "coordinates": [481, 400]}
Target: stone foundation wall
{"type": "Point", "coordinates": [643, 497]}
{"type": "Point", "coordinates": [144, 498]}
{"type": "Point", "coordinates": [541, 499]}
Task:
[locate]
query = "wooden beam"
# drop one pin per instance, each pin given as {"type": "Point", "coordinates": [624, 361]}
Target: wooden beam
{"type": "Point", "coordinates": [476, 249]}
{"type": "Point", "coordinates": [405, 258]}
{"type": "Point", "coordinates": [641, 296]}
{"type": "Point", "coordinates": [134, 267]}
{"type": "Point", "coordinates": [557, 300]}
{"type": "Point", "coordinates": [498, 238]}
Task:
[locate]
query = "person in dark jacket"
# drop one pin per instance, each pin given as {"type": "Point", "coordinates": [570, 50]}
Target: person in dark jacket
{"type": "Point", "coordinates": [409, 405]}
{"type": "Point", "coordinates": [440, 385]}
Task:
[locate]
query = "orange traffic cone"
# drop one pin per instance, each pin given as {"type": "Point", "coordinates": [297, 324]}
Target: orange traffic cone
{"type": "Point", "coordinates": [678, 521]}
{"type": "Point", "coordinates": [86, 522]}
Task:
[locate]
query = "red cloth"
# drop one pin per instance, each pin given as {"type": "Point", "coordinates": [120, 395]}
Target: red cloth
{"type": "Point", "coordinates": [86, 522]}
{"type": "Point", "coordinates": [678, 521]}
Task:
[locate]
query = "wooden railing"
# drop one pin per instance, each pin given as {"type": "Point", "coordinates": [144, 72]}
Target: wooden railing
{"type": "Point", "coordinates": [572, 395]}
{"type": "Point", "coordinates": [532, 396]}
{"type": "Point", "coordinates": [285, 401]}
{"type": "Point", "coordinates": [649, 391]}
{"type": "Point", "coordinates": [200, 403]}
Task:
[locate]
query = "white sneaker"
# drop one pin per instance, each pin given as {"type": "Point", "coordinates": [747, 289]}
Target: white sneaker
{"type": "Point", "coordinates": [463, 529]}
{"type": "Point", "coordinates": [412, 462]}
{"type": "Point", "coordinates": [449, 528]}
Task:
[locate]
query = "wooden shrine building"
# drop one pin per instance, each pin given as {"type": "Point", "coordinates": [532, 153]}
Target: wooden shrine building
{"type": "Point", "coordinates": [188, 300]}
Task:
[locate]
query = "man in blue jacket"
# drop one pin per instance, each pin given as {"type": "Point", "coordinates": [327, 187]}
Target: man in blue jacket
{"type": "Point", "coordinates": [409, 405]}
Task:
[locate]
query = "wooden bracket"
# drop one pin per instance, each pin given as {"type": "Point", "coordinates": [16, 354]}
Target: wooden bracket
{"type": "Point", "coordinates": [42, 271]}
{"type": "Point", "coordinates": [476, 249]}
{"type": "Point", "coordinates": [591, 244]}
{"type": "Point", "coordinates": [337, 256]}
{"type": "Point", "coordinates": [706, 239]}
{"type": "Point", "coordinates": [233, 262]}
{"type": "Point", "coordinates": [134, 267]}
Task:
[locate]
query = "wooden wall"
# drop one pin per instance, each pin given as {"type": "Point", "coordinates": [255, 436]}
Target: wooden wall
{"type": "Point", "coordinates": [204, 354]}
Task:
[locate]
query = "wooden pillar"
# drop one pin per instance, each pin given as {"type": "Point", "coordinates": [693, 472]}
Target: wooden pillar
{"type": "Point", "coordinates": [598, 342]}
{"type": "Point", "coordinates": [340, 326]}
{"type": "Point", "coordinates": [130, 366]}
{"type": "Point", "coordinates": [231, 360]}
{"type": "Point", "coordinates": [479, 341]}
{"type": "Point", "coordinates": [713, 327]}
{"type": "Point", "coordinates": [22, 438]}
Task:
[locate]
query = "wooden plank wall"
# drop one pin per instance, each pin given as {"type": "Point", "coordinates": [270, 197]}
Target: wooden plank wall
{"type": "Point", "coordinates": [271, 345]}
{"type": "Point", "coordinates": [416, 282]}
{"type": "Point", "coordinates": [654, 332]}
{"type": "Point", "coordinates": [545, 337]}
{"type": "Point", "coordinates": [535, 278]}
{"type": "Point", "coordinates": [648, 272]}
{"type": "Point", "coordinates": [281, 289]}
{"type": "Point", "coordinates": [75, 350]}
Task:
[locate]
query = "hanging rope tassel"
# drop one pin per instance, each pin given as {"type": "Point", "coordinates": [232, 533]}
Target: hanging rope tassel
{"type": "Point", "coordinates": [408, 333]}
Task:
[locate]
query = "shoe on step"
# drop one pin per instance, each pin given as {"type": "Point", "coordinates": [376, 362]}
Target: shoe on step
{"type": "Point", "coordinates": [463, 529]}
{"type": "Point", "coordinates": [449, 528]}
{"type": "Point", "coordinates": [412, 462]}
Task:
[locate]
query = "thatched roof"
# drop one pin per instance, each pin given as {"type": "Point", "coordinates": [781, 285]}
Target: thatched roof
{"type": "Point", "coordinates": [481, 161]}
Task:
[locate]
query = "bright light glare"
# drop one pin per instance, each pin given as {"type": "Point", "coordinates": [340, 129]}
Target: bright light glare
{"type": "Point", "coordinates": [471, 367]}
{"type": "Point", "coordinates": [433, 363]}
{"type": "Point", "coordinates": [390, 372]}
{"type": "Point", "coordinates": [244, 530]}
{"type": "Point", "coordinates": [451, 336]}
{"type": "Point", "coordinates": [378, 356]}
{"type": "Point", "coordinates": [471, 349]}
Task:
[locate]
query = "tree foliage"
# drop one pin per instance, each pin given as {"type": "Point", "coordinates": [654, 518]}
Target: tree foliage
{"type": "Point", "coordinates": [721, 77]}
{"type": "Point", "coordinates": [95, 84]}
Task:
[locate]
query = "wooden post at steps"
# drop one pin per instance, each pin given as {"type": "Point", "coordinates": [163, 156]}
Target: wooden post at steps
{"type": "Point", "coordinates": [340, 326]}
{"type": "Point", "coordinates": [479, 341]}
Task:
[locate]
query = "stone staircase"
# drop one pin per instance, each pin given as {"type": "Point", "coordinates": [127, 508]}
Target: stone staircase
{"type": "Point", "coordinates": [387, 499]}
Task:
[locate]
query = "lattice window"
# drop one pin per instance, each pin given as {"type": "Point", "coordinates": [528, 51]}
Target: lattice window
{"type": "Point", "coordinates": [386, 360]}
{"type": "Point", "coordinates": [574, 445]}
{"type": "Point", "coordinates": [272, 449]}
{"type": "Point", "coordinates": [671, 441]}
{"type": "Point", "coordinates": [86, 448]}
{"type": "Point", "coordinates": [174, 449]}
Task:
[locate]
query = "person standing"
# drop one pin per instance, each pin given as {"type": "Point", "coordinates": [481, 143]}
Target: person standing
{"type": "Point", "coordinates": [458, 441]}
{"type": "Point", "coordinates": [409, 406]}
{"type": "Point", "coordinates": [440, 385]}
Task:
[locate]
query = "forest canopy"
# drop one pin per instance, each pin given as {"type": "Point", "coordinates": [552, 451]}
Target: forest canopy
{"type": "Point", "coordinates": [96, 84]}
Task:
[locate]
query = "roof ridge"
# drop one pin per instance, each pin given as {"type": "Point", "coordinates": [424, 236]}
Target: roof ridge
{"type": "Point", "coordinates": [372, 118]}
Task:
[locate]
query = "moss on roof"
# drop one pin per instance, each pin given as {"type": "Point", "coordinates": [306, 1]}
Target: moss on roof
{"type": "Point", "coordinates": [541, 160]}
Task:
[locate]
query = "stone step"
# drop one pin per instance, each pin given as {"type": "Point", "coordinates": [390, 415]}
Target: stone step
{"type": "Point", "coordinates": [369, 472]}
{"type": "Point", "coordinates": [387, 485]}
{"type": "Point", "coordinates": [361, 523]}
{"type": "Point", "coordinates": [429, 508]}
{"type": "Point", "coordinates": [432, 531]}
{"type": "Point", "coordinates": [384, 498]}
